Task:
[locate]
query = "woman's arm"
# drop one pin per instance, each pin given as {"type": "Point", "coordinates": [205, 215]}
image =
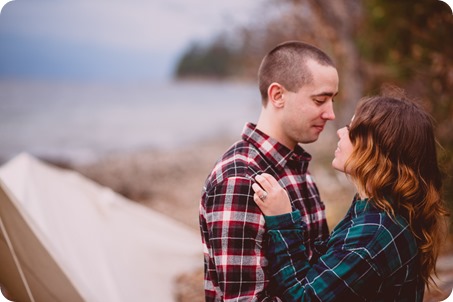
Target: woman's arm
{"type": "Point", "coordinates": [340, 273]}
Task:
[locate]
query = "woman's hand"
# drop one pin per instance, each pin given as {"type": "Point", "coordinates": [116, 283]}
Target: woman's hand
{"type": "Point", "coordinates": [270, 197]}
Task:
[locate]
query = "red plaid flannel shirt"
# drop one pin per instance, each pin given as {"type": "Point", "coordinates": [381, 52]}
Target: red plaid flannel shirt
{"type": "Point", "coordinates": [232, 226]}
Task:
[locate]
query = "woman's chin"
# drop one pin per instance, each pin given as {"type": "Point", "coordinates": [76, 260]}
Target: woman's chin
{"type": "Point", "coordinates": [337, 167]}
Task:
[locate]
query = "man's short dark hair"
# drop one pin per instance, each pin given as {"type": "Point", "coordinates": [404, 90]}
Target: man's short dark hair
{"type": "Point", "coordinates": [286, 65]}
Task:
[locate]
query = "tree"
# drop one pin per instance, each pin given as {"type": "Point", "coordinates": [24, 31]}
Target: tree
{"type": "Point", "coordinates": [410, 44]}
{"type": "Point", "coordinates": [217, 60]}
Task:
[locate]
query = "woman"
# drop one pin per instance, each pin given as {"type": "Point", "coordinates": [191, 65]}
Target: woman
{"type": "Point", "coordinates": [386, 247]}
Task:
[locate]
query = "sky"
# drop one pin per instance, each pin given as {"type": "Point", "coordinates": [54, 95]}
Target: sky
{"type": "Point", "coordinates": [109, 38]}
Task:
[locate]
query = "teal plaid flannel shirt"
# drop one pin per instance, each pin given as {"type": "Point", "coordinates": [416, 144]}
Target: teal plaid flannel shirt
{"type": "Point", "coordinates": [369, 256]}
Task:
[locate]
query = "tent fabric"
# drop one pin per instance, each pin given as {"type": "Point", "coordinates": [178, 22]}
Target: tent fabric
{"type": "Point", "coordinates": [27, 269]}
{"type": "Point", "coordinates": [66, 238]}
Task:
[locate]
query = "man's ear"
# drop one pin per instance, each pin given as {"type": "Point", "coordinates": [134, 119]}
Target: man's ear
{"type": "Point", "coordinates": [275, 95]}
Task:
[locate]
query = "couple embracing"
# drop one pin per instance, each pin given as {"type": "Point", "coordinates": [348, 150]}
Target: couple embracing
{"type": "Point", "coordinates": [263, 225]}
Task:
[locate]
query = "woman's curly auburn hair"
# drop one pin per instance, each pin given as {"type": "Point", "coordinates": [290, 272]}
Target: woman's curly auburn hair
{"type": "Point", "coordinates": [394, 162]}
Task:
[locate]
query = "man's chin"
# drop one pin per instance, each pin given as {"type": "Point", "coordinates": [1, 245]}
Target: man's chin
{"type": "Point", "coordinates": [309, 140]}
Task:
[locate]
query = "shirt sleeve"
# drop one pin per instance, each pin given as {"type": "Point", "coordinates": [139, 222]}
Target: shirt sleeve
{"type": "Point", "coordinates": [236, 229]}
{"type": "Point", "coordinates": [337, 275]}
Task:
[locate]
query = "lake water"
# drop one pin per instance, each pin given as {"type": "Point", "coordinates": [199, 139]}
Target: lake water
{"type": "Point", "coordinates": [79, 122]}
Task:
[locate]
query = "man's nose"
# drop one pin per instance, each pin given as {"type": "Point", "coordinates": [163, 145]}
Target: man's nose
{"type": "Point", "coordinates": [328, 114]}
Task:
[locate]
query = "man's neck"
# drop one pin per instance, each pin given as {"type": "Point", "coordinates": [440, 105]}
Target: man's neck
{"type": "Point", "coordinates": [265, 125]}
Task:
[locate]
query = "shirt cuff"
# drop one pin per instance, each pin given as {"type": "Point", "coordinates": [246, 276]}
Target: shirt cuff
{"type": "Point", "coordinates": [285, 221]}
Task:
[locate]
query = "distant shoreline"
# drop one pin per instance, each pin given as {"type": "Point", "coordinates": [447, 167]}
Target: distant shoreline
{"type": "Point", "coordinates": [81, 122]}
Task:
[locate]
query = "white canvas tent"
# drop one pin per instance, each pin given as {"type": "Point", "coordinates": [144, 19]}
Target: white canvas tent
{"type": "Point", "coordinates": [65, 238]}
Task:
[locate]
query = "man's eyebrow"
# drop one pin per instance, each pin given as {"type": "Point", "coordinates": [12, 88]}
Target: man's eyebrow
{"type": "Point", "coordinates": [331, 94]}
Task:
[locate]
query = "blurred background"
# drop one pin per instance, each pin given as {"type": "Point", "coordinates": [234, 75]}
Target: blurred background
{"type": "Point", "coordinates": [142, 95]}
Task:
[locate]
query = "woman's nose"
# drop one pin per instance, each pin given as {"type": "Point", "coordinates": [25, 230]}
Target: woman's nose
{"type": "Point", "coordinates": [340, 132]}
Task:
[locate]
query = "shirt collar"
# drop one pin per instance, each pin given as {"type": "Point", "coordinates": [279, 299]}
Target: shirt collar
{"type": "Point", "coordinates": [278, 154]}
{"type": "Point", "coordinates": [360, 206]}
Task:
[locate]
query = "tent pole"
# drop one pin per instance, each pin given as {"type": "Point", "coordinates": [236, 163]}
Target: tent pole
{"type": "Point", "coordinates": [16, 260]}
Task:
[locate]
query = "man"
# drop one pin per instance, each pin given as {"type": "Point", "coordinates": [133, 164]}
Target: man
{"type": "Point", "coordinates": [297, 83]}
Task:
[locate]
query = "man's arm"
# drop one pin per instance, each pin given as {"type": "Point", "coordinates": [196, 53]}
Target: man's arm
{"type": "Point", "coordinates": [236, 230]}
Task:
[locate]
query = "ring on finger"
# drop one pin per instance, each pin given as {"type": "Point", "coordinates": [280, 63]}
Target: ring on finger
{"type": "Point", "coordinates": [263, 196]}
